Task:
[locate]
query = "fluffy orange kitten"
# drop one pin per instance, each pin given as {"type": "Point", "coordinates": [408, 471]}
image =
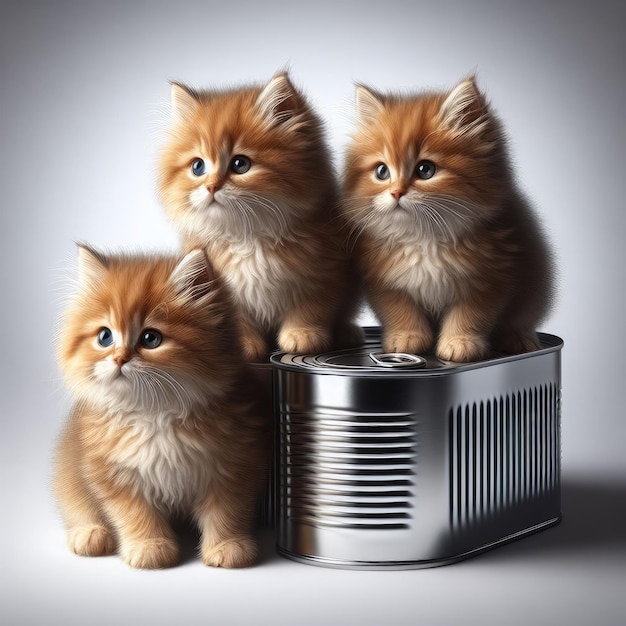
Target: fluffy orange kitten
{"type": "Point", "coordinates": [246, 175]}
{"type": "Point", "coordinates": [451, 253]}
{"type": "Point", "coordinates": [163, 422]}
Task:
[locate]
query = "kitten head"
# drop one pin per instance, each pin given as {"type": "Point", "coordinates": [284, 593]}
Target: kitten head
{"type": "Point", "coordinates": [242, 162]}
{"type": "Point", "coordinates": [147, 333]}
{"type": "Point", "coordinates": [423, 166]}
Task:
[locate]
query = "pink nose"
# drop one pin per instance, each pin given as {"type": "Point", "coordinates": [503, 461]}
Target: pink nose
{"type": "Point", "coordinates": [397, 195]}
{"type": "Point", "coordinates": [120, 359]}
{"type": "Point", "coordinates": [213, 188]}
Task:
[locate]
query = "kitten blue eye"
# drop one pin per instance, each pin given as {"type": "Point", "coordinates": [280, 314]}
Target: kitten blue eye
{"type": "Point", "coordinates": [105, 337]}
{"type": "Point", "coordinates": [382, 172]}
{"type": "Point", "coordinates": [198, 167]}
{"type": "Point", "coordinates": [240, 164]}
{"type": "Point", "coordinates": [151, 339]}
{"type": "Point", "coordinates": [425, 170]}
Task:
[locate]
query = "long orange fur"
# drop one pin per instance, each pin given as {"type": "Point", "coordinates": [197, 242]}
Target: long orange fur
{"type": "Point", "coordinates": [271, 231]}
{"type": "Point", "coordinates": [177, 429]}
{"type": "Point", "coordinates": [454, 261]}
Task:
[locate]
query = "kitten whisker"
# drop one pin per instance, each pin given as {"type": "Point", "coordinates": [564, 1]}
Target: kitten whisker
{"type": "Point", "coordinates": [244, 208]}
{"type": "Point", "coordinates": [243, 213]}
{"type": "Point", "coordinates": [358, 202]}
{"type": "Point", "coordinates": [161, 377]}
{"type": "Point", "coordinates": [438, 223]}
{"type": "Point", "coordinates": [266, 203]}
{"type": "Point", "coordinates": [150, 383]}
{"type": "Point", "coordinates": [467, 209]}
{"type": "Point", "coordinates": [358, 228]}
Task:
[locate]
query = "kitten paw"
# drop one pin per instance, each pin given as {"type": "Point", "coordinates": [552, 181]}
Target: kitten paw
{"type": "Point", "coordinates": [233, 553]}
{"type": "Point", "coordinates": [462, 348]}
{"type": "Point", "coordinates": [304, 340]}
{"type": "Point", "coordinates": [411, 342]}
{"type": "Point", "coordinates": [90, 540]}
{"type": "Point", "coordinates": [151, 553]}
{"type": "Point", "coordinates": [255, 348]}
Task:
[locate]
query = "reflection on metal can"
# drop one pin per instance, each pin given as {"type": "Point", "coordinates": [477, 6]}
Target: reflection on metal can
{"type": "Point", "coordinates": [399, 461]}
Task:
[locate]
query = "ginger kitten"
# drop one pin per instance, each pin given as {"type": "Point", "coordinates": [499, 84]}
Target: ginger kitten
{"type": "Point", "coordinates": [451, 253]}
{"type": "Point", "coordinates": [246, 176]}
{"type": "Point", "coordinates": [164, 420]}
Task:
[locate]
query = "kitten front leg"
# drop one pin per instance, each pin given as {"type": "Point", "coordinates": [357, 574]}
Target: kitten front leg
{"type": "Point", "coordinates": [465, 331]}
{"type": "Point", "coordinates": [306, 329]}
{"type": "Point", "coordinates": [226, 520]}
{"type": "Point", "coordinates": [146, 540]}
{"type": "Point", "coordinates": [253, 342]}
{"type": "Point", "coordinates": [87, 532]}
{"type": "Point", "coordinates": [405, 326]}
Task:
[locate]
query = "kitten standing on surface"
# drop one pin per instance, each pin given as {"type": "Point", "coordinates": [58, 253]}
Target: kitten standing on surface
{"type": "Point", "coordinates": [246, 176]}
{"type": "Point", "coordinates": [451, 254]}
{"type": "Point", "coordinates": [166, 420]}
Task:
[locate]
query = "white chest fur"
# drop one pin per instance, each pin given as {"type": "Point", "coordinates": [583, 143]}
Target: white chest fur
{"type": "Point", "coordinates": [164, 462]}
{"type": "Point", "coordinates": [427, 273]}
{"type": "Point", "coordinates": [260, 281]}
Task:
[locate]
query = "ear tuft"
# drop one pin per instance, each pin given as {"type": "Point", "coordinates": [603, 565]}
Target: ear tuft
{"type": "Point", "coordinates": [92, 264]}
{"type": "Point", "coordinates": [369, 104]}
{"type": "Point", "coordinates": [465, 107]}
{"type": "Point", "coordinates": [184, 101]}
{"type": "Point", "coordinates": [193, 276]}
{"type": "Point", "coordinates": [279, 100]}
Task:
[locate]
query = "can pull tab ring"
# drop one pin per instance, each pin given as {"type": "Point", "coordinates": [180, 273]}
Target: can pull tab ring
{"type": "Point", "coordinates": [397, 359]}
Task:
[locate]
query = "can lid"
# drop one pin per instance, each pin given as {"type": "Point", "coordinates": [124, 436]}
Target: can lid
{"type": "Point", "coordinates": [362, 359]}
{"type": "Point", "coordinates": [370, 359]}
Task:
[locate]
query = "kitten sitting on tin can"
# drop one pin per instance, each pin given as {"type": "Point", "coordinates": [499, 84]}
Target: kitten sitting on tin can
{"type": "Point", "coordinates": [452, 255]}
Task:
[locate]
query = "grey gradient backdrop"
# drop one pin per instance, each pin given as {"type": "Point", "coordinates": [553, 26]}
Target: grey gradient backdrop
{"type": "Point", "coordinates": [83, 86]}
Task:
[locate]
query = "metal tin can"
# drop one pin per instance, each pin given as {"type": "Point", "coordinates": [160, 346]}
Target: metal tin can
{"type": "Point", "coordinates": [390, 461]}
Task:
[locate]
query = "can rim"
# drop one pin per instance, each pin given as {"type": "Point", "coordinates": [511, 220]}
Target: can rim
{"type": "Point", "coordinates": [311, 364]}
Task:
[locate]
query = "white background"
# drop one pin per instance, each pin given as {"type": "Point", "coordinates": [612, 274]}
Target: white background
{"type": "Point", "coordinates": [83, 87]}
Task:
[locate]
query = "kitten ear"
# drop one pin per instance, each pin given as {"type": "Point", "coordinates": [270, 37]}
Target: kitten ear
{"type": "Point", "coordinates": [465, 108]}
{"type": "Point", "coordinates": [183, 101]}
{"type": "Point", "coordinates": [279, 100]}
{"type": "Point", "coordinates": [369, 104]}
{"type": "Point", "coordinates": [91, 264]}
{"type": "Point", "coordinates": [193, 277]}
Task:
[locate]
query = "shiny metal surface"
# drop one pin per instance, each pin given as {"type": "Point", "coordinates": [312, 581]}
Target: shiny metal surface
{"type": "Point", "coordinates": [384, 467]}
{"type": "Point", "coordinates": [397, 359]}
